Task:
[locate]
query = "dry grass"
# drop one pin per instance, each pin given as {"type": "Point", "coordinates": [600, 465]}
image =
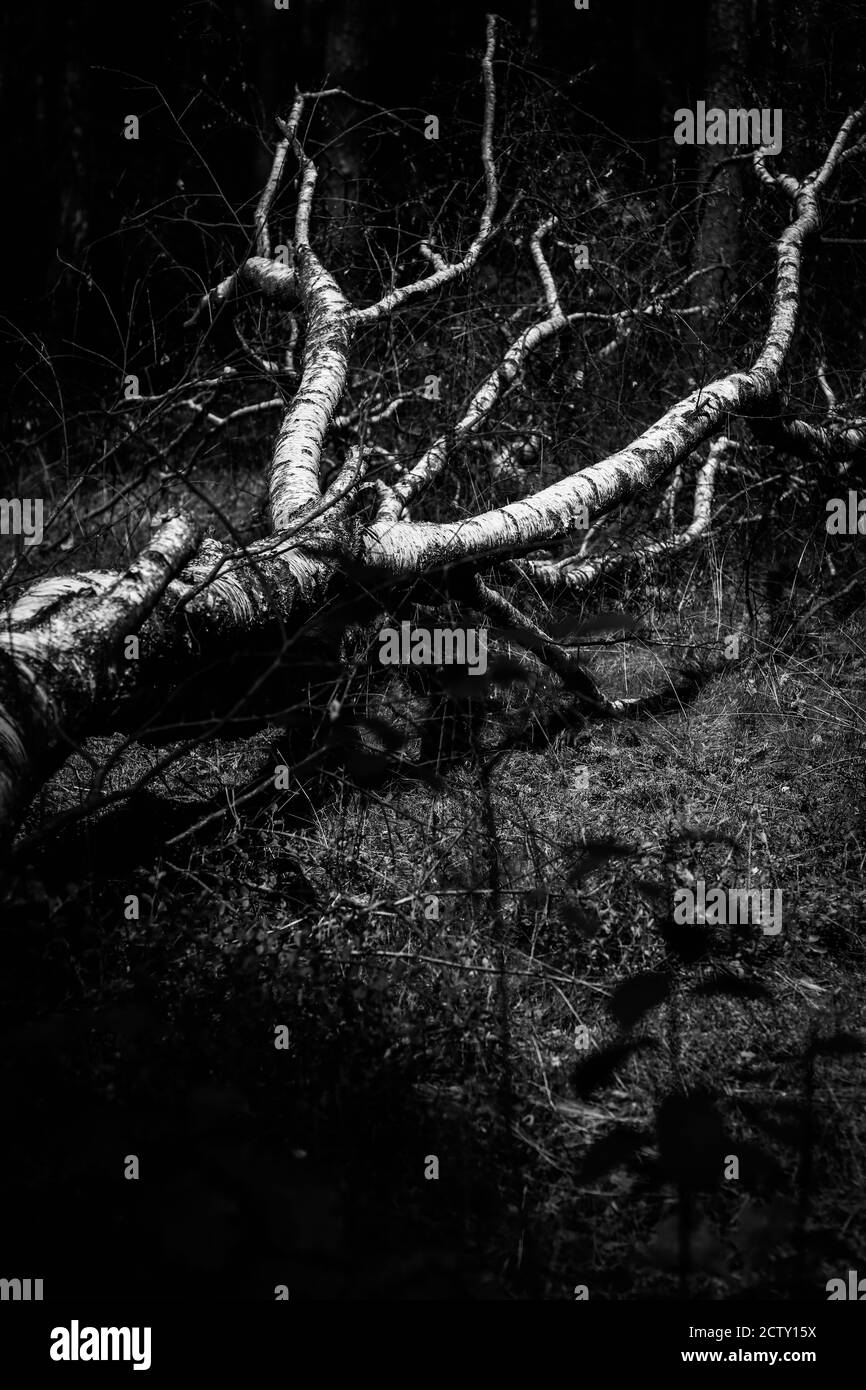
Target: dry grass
{"type": "Point", "coordinates": [458, 1036]}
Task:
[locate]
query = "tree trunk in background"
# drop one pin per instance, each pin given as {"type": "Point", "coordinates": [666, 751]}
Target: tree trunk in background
{"type": "Point", "coordinates": [346, 63]}
{"type": "Point", "coordinates": [796, 27]}
{"type": "Point", "coordinates": [73, 190]}
{"type": "Point", "coordinates": [718, 237]}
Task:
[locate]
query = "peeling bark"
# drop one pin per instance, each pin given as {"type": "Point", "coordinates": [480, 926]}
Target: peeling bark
{"type": "Point", "coordinates": [294, 477]}
{"type": "Point", "coordinates": [577, 576]}
{"type": "Point", "coordinates": [61, 657]}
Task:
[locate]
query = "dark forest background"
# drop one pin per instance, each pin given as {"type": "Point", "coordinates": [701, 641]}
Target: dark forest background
{"type": "Point", "coordinates": [206, 80]}
{"type": "Point", "coordinates": [155, 1036]}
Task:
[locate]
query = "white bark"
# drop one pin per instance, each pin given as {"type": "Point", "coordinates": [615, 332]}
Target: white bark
{"type": "Point", "coordinates": [61, 656]}
{"type": "Point", "coordinates": [578, 576]}
{"type": "Point", "coordinates": [554, 512]}
{"type": "Point", "coordinates": [294, 477]}
{"type": "Point", "coordinates": [60, 643]}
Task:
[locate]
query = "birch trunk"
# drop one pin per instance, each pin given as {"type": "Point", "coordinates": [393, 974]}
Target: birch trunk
{"type": "Point", "coordinates": [65, 660]}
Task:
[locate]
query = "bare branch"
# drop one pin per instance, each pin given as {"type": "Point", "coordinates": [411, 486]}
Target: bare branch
{"type": "Point", "coordinates": [257, 275]}
{"type": "Point", "coordinates": [834, 443]}
{"type": "Point", "coordinates": [579, 577]}
{"type": "Point", "coordinates": [560, 509]}
{"type": "Point", "coordinates": [506, 372]}
{"type": "Point", "coordinates": [294, 474]}
{"type": "Point", "coordinates": [444, 272]}
{"type": "Point", "coordinates": [826, 388]}
{"type": "Point", "coordinates": [839, 150]}
{"type": "Point", "coordinates": [526, 633]}
{"type": "Point", "coordinates": [262, 213]}
{"type": "Point", "coordinates": [551, 296]}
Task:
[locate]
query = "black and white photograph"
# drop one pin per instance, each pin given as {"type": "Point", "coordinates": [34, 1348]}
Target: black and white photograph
{"type": "Point", "coordinates": [432, 652]}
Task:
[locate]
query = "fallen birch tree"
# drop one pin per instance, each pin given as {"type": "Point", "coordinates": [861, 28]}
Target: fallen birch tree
{"type": "Point", "coordinates": [64, 641]}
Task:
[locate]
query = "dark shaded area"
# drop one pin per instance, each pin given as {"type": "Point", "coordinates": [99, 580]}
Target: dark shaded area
{"type": "Point", "coordinates": [206, 80]}
{"type": "Point", "coordinates": [155, 1037]}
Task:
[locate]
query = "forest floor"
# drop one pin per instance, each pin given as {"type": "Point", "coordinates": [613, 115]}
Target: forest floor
{"type": "Point", "coordinates": [349, 1028]}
